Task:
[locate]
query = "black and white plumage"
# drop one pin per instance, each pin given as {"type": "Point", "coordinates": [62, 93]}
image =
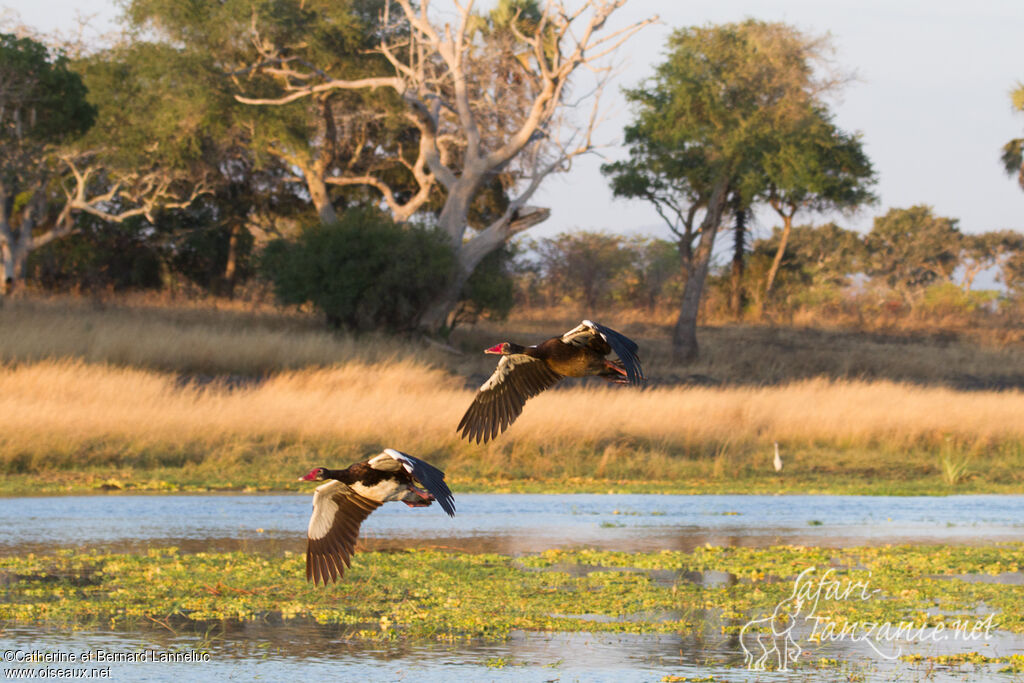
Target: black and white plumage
{"type": "Point", "coordinates": [351, 494]}
{"type": "Point", "coordinates": [523, 372]}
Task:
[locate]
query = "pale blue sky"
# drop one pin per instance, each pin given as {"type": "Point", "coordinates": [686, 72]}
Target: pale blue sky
{"type": "Point", "coordinates": [931, 99]}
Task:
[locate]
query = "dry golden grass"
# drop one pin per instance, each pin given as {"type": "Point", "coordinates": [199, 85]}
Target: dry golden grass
{"type": "Point", "coordinates": [212, 397]}
{"type": "Point", "coordinates": [210, 340]}
{"type": "Point", "coordinates": [191, 339]}
{"type": "Point", "coordinates": [69, 413]}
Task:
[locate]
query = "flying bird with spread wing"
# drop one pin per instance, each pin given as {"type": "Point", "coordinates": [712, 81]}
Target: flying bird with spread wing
{"type": "Point", "coordinates": [525, 371]}
{"type": "Point", "coordinates": [351, 494]}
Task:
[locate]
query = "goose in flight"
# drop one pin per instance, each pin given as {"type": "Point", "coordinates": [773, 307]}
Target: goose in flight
{"type": "Point", "coordinates": [351, 494]}
{"type": "Point", "coordinates": [525, 371]}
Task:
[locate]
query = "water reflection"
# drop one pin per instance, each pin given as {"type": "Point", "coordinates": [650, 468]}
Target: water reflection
{"type": "Point", "coordinates": [301, 650]}
{"type": "Point", "coordinates": [510, 524]}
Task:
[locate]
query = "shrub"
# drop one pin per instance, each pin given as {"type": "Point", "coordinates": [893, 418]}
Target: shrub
{"type": "Point", "coordinates": [364, 272]}
{"type": "Point", "coordinates": [98, 256]}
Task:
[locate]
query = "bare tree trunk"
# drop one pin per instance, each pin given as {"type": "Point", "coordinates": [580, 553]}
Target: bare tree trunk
{"type": "Point", "coordinates": [438, 316]}
{"type": "Point", "coordinates": [231, 267]}
{"type": "Point", "coordinates": [320, 196]}
{"type": "Point", "coordinates": [787, 227]}
{"type": "Point", "coordinates": [737, 298]}
{"type": "Point", "coordinates": [6, 269]}
{"type": "Point", "coordinates": [684, 337]}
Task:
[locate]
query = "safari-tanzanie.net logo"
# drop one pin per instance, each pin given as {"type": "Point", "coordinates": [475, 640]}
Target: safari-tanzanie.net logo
{"type": "Point", "coordinates": [773, 641]}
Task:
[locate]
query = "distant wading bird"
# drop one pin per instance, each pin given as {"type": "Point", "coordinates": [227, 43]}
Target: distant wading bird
{"type": "Point", "coordinates": [341, 505]}
{"type": "Point", "coordinates": [524, 372]}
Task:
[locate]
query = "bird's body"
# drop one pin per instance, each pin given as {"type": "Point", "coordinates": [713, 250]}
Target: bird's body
{"type": "Point", "coordinates": [525, 371]}
{"type": "Point", "coordinates": [351, 494]}
{"type": "Point", "coordinates": [777, 462]}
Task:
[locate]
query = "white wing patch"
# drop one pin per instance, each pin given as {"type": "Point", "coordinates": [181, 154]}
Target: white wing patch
{"type": "Point", "coordinates": [398, 456]}
{"type": "Point", "coordinates": [381, 492]}
{"type": "Point", "coordinates": [324, 508]}
{"type": "Point", "coordinates": [386, 461]}
{"type": "Point", "coordinates": [505, 366]}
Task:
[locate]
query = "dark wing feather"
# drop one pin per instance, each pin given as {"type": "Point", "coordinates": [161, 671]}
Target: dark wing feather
{"type": "Point", "coordinates": [338, 511]}
{"type": "Point", "coordinates": [500, 399]}
{"type": "Point", "coordinates": [429, 476]}
{"type": "Point", "coordinates": [624, 347]}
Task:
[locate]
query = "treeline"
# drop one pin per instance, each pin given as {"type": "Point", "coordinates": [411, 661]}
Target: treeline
{"type": "Point", "coordinates": [377, 162]}
{"type": "Point", "coordinates": [911, 260]}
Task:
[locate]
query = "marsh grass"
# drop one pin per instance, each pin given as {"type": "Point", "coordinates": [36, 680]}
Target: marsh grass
{"type": "Point", "coordinates": [955, 465]}
{"type": "Point", "coordinates": [139, 426]}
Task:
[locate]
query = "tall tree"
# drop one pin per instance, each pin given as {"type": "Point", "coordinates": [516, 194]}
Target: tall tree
{"type": "Point", "coordinates": [323, 140]}
{"type": "Point", "coordinates": [583, 266]}
{"type": "Point", "coordinates": [42, 106]}
{"type": "Point", "coordinates": [701, 128]}
{"type": "Point", "coordinates": [818, 167]}
{"type": "Point", "coordinates": [986, 250]}
{"type": "Point", "coordinates": [66, 150]}
{"type": "Point", "coordinates": [909, 249]}
{"type": "Point", "coordinates": [737, 296]}
{"type": "Point", "coordinates": [817, 255]}
{"type": "Point", "coordinates": [487, 95]}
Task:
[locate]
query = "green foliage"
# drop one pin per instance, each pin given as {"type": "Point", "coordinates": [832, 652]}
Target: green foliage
{"type": "Point", "coordinates": [582, 266]}
{"type": "Point", "coordinates": [816, 165]}
{"type": "Point", "coordinates": [42, 99]}
{"type": "Point", "coordinates": [816, 255]}
{"type": "Point", "coordinates": [1013, 151]}
{"type": "Point", "coordinates": [714, 107]}
{"type": "Point", "coordinates": [364, 272]}
{"type": "Point", "coordinates": [908, 249]}
{"type": "Point", "coordinates": [945, 299]}
{"type": "Point", "coordinates": [162, 104]}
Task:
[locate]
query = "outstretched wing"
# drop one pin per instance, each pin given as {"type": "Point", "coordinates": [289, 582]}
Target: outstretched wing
{"type": "Point", "coordinates": [624, 347]}
{"type": "Point", "coordinates": [338, 511]}
{"type": "Point", "coordinates": [500, 399]}
{"type": "Point", "coordinates": [429, 476]}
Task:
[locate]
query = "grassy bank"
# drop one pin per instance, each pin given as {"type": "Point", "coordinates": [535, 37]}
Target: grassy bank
{"type": "Point", "coordinates": [144, 397]}
{"type": "Point", "coordinates": [487, 595]}
{"type": "Point", "coordinates": [78, 425]}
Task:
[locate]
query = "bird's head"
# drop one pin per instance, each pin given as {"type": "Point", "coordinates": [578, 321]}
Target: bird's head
{"type": "Point", "coordinates": [499, 349]}
{"type": "Point", "coordinates": [316, 474]}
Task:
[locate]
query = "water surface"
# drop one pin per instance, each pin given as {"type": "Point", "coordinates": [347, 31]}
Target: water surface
{"type": "Point", "coordinates": [515, 524]}
{"type": "Point", "coordinates": [512, 523]}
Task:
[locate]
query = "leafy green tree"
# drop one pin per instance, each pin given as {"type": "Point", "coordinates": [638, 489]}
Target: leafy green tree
{"type": "Point", "coordinates": [42, 106]}
{"type": "Point", "coordinates": [487, 95]}
{"type": "Point", "coordinates": [331, 142]}
{"type": "Point", "coordinates": [1013, 151]}
{"type": "Point", "coordinates": [817, 167]}
{"type": "Point", "coordinates": [87, 141]}
{"type": "Point", "coordinates": [582, 267]}
{"type": "Point", "coordinates": [818, 256]}
{"type": "Point", "coordinates": [909, 249]}
{"type": "Point", "coordinates": [703, 124]}
{"type": "Point", "coordinates": [986, 250]}
{"type": "Point", "coordinates": [364, 272]}
{"type": "Point", "coordinates": [654, 271]}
